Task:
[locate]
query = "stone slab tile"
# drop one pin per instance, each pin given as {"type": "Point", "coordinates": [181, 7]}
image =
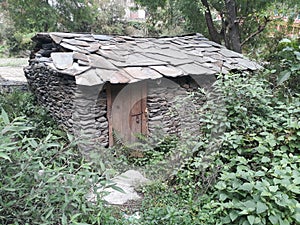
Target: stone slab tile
{"type": "Point", "coordinates": [62, 60]}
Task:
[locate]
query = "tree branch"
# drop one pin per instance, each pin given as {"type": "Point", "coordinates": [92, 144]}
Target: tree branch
{"type": "Point", "coordinates": [259, 30]}
{"type": "Point", "coordinates": [213, 33]}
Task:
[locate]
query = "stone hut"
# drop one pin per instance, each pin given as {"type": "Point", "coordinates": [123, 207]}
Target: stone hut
{"type": "Point", "coordinates": [119, 86]}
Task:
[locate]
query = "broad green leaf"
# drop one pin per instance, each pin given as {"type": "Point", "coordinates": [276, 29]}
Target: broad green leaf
{"type": "Point", "coordinates": [221, 185]}
{"type": "Point", "coordinates": [297, 217]}
{"type": "Point", "coordinates": [244, 212]}
{"type": "Point", "coordinates": [260, 174]}
{"type": "Point", "coordinates": [297, 54]}
{"type": "Point", "coordinates": [4, 156]}
{"type": "Point", "coordinates": [274, 219]}
{"type": "Point", "coordinates": [265, 159]}
{"type": "Point", "coordinates": [245, 222]}
{"type": "Point", "coordinates": [283, 76]}
{"type": "Point", "coordinates": [261, 207]}
{"type": "Point", "coordinates": [246, 187]}
{"type": "Point", "coordinates": [4, 117]}
{"type": "Point", "coordinates": [296, 180]}
{"type": "Point", "coordinates": [223, 197]}
{"type": "Point", "coordinates": [266, 193]}
{"type": "Point", "coordinates": [294, 189]}
{"type": "Point", "coordinates": [251, 219]}
{"type": "Point", "coordinates": [284, 222]}
{"type": "Point", "coordinates": [273, 188]}
{"type": "Point", "coordinates": [233, 215]}
{"type": "Point", "coordinates": [262, 149]}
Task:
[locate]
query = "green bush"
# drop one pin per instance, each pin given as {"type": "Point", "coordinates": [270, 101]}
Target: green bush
{"type": "Point", "coordinates": [23, 104]}
{"type": "Point", "coordinates": [46, 181]}
{"type": "Point", "coordinates": [284, 68]}
{"type": "Point", "coordinates": [245, 168]}
{"type": "Point", "coordinates": [19, 44]}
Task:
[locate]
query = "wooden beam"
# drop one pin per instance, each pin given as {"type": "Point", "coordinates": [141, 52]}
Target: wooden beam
{"type": "Point", "coordinates": [109, 115]}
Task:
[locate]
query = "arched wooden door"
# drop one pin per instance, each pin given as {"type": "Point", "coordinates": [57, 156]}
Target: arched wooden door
{"type": "Point", "coordinates": [127, 112]}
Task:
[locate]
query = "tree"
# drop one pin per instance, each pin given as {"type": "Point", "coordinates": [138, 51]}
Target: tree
{"type": "Point", "coordinates": [31, 15]}
{"type": "Point", "coordinates": [163, 17]}
{"type": "Point", "coordinates": [230, 22]}
{"type": "Point", "coordinates": [240, 21]}
{"type": "Point", "coordinates": [63, 15]}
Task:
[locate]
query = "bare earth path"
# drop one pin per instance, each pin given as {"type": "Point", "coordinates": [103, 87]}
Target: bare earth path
{"type": "Point", "coordinates": [11, 71]}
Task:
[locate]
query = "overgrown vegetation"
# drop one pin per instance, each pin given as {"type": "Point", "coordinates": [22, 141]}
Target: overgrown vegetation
{"type": "Point", "coordinates": [243, 168]}
{"type": "Point", "coordinates": [43, 177]}
{"type": "Point", "coordinates": [284, 65]}
{"type": "Point", "coordinates": [248, 173]}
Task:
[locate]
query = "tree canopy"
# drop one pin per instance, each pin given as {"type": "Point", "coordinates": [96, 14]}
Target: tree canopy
{"type": "Point", "coordinates": [231, 22]}
{"type": "Point", "coordinates": [64, 15]}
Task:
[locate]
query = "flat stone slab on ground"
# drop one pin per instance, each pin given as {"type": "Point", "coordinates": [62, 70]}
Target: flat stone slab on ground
{"type": "Point", "coordinates": [11, 70]}
{"type": "Point", "coordinates": [12, 74]}
{"type": "Point", "coordinates": [127, 181]}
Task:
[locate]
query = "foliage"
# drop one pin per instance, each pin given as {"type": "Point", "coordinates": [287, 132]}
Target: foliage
{"type": "Point", "coordinates": [260, 158]}
{"type": "Point", "coordinates": [108, 18]}
{"type": "Point", "coordinates": [287, 71]}
{"type": "Point", "coordinates": [31, 16]}
{"type": "Point", "coordinates": [44, 179]}
{"type": "Point", "coordinates": [163, 17]}
{"type": "Point", "coordinates": [19, 43]}
{"type": "Point", "coordinates": [245, 168]}
{"type": "Point", "coordinates": [233, 23]}
{"type": "Point", "coordinates": [63, 15]}
{"type": "Point", "coordinates": [23, 104]}
{"type": "Point", "coordinates": [6, 29]}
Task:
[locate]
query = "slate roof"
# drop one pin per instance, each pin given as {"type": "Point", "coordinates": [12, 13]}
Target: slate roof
{"type": "Point", "coordinates": [96, 59]}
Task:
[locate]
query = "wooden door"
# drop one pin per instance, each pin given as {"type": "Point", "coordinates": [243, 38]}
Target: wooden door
{"type": "Point", "coordinates": [127, 112]}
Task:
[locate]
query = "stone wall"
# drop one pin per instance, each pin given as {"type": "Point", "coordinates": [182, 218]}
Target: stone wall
{"type": "Point", "coordinates": [54, 91]}
{"type": "Point", "coordinates": [90, 113]}
{"type": "Point", "coordinates": [171, 109]}
{"type": "Point", "coordinates": [80, 110]}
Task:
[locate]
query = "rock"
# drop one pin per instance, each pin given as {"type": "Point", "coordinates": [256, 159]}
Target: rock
{"type": "Point", "coordinates": [127, 181]}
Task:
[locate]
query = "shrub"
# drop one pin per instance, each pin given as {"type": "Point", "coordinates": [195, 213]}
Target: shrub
{"type": "Point", "coordinates": [23, 104]}
{"type": "Point", "coordinates": [245, 168]}
{"type": "Point", "coordinates": [46, 181]}
{"type": "Point", "coordinates": [284, 65]}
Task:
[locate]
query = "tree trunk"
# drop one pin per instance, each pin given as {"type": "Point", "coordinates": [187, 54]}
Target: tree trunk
{"type": "Point", "coordinates": [213, 33]}
{"type": "Point", "coordinates": [232, 33]}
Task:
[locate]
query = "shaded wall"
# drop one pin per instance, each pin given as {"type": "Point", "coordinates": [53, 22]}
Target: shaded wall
{"type": "Point", "coordinates": [54, 91]}
{"type": "Point", "coordinates": [171, 108]}
{"type": "Point", "coordinates": [80, 110]}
